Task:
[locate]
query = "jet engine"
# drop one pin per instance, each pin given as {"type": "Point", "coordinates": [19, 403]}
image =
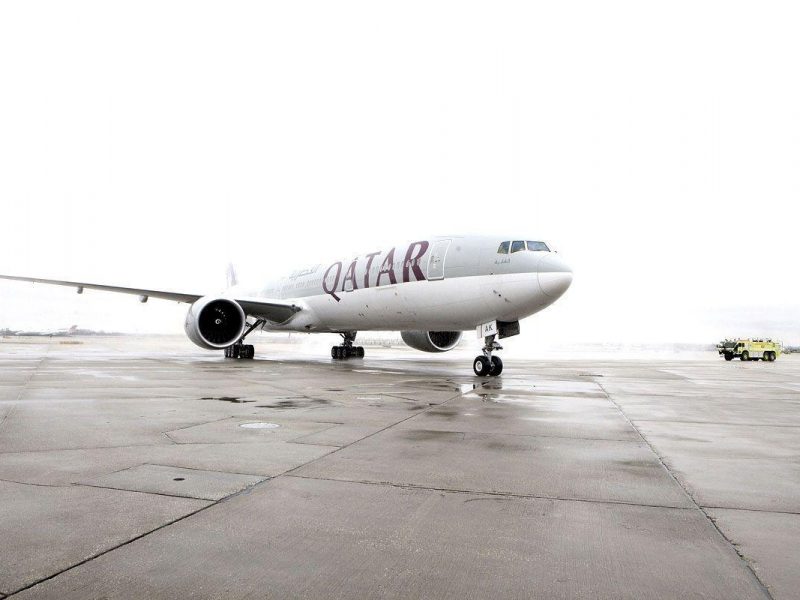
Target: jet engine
{"type": "Point", "coordinates": [214, 322]}
{"type": "Point", "coordinates": [431, 341]}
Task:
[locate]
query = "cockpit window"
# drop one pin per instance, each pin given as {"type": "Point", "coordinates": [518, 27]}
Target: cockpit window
{"type": "Point", "coordinates": [538, 246]}
{"type": "Point", "coordinates": [517, 247]}
{"type": "Point", "coordinates": [503, 249]}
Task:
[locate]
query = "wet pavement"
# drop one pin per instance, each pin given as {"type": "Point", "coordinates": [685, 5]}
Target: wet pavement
{"type": "Point", "coordinates": [143, 467]}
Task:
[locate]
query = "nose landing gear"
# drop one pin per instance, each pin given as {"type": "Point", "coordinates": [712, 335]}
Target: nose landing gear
{"type": "Point", "coordinates": [346, 349]}
{"type": "Point", "coordinates": [486, 364]}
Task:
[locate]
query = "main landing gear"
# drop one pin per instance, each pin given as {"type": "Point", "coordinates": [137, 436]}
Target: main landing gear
{"type": "Point", "coordinates": [486, 364]}
{"type": "Point", "coordinates": [240, 350]}
{"type": "Point", "coordinates": [346, 349]}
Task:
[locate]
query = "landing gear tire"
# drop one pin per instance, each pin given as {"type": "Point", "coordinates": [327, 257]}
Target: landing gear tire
{"type": "Point", "coordinates": [343, 352]}
{"type": "Point", "coordinates": [346, 349]}
{"type": "Point", "coordinates": [481, 366]}
{"type": "Point", "coordinates": [488, 364]}
{"type": "Point", "coordinates": [240, 350]}
{"type": "Point", "coordinates": [245, 351]}
{"type": "Point", "coordinates": [496, 367]}
{"type": "Point", "coordinates": [728, 356]}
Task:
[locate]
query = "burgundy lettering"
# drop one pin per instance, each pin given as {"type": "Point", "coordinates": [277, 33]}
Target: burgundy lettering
{"type": "Point", "coordinates": [412, 261]}
{"type": "Point", "coordinates": [387, 268]}
{"type": "Point", "coordinates": [332, 290]}
{"type": "Point", "coordinates": [370, 257]}
{"type": "Point", "coordinates": [350, 275]}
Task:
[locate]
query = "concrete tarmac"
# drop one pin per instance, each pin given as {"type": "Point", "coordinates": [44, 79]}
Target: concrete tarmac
{"type": "Point", "coordinates": [141, 467]}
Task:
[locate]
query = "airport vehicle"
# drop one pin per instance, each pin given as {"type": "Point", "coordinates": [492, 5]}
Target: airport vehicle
{"type": "Point", "coordinates": [430, 290]}
{"type": "Point", "coordinates": [749, 349]}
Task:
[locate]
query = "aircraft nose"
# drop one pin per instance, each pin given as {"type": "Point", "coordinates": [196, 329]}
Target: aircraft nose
{"type": "Point", "coordinates": [555, 276]}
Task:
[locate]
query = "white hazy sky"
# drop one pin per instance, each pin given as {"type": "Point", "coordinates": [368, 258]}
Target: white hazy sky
{"type": "Point", "coordinates": [655, 145]}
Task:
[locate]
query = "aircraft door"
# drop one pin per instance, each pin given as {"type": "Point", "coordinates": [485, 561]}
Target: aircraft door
{"type": "Point", "coordinates": [436, 259]}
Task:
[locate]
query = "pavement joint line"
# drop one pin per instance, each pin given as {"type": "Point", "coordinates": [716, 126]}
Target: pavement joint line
{"type": "Point", "coordinates": [201, 470]}
{"type": "Point", "coordinates": [81, 449]}
{"type": "Point", "coordinates": [301, 443]}
{"type": "Point", "coordinates": [165, 494]}
{"type": "Point", "coordinates": [412, 486]}
{"type": "Point", "coordinates": [50, 485]}
{"type": "Point", "coordinates": [24, 386]}
{"type": "Point", "coordinates": [792, 459]}
{"type": "Point", "coordinates": [198, 424]}
{"type": "Point", "coordinates": [755, 510]}
{"type": "Point", "coordinates": [711, 521]}
{"type": "Point", "coordinates": [400, 396]}
{"type": "Point", "coordinates": [726, 423]}
{"type": "Point", "coordinates": [120, 545]}
{"type": "Point", "coordinates": [84, 448]}
{"type": "Point", "coordinates": [332, 426]}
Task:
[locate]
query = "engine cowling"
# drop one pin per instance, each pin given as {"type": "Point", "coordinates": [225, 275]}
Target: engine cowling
{"type": "Point", "coordinates": [214, 322]}
{"type": "Point", "coordinates": [431, 341]}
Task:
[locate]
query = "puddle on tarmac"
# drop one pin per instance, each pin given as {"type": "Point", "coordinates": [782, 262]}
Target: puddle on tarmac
{"type": "Point", "coordinates": [295, 402]}
{"type": "Point", "coordinates": [231, 399]}
{"type": "Point", "coordinates": [432, 434]}
{"type": "Point", "coordinates": [446, 385]}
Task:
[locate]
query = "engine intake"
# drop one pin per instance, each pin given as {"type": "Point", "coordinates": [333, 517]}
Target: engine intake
{"type": "Point", "coordinates": [214, 322]}
{"type": "Point", "coordinates": [431, 341]}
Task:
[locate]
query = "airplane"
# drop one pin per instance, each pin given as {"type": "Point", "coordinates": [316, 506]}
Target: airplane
{"type": "Point", "coordinates": [431, 290]}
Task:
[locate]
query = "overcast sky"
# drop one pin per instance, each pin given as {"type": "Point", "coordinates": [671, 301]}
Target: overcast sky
{"type": "Point", "coordinates": [655, 145]}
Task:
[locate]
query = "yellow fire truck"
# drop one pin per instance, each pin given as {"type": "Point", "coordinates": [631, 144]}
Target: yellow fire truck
{"type": "Point", "coordinates": [749, 349]}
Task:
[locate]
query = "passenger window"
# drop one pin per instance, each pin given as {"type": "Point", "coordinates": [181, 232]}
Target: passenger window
{"type": "Point", "coordinates": [503, 249]}
{"type": "Point", "coordinates": [538, 246]}
{"type": "Point", "coordinates": [517, 247]}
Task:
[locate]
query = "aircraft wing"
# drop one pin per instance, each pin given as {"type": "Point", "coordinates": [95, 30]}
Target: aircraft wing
{"type": "Point", "coordinates": [277, 311]}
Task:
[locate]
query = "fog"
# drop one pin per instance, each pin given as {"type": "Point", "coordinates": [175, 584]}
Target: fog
{"type": "Point", "coordinates": [655, 146]}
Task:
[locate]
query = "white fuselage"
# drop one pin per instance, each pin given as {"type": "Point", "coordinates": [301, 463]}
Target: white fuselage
{"type": "Point", "coordinates": [439, 284]}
